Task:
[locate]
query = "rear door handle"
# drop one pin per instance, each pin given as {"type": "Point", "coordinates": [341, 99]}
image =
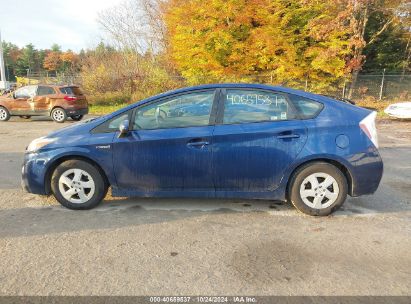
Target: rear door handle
{"type": "Point", "coordinates": [198, 144]}
{"type": "Point", "coordinates": [288, 136]}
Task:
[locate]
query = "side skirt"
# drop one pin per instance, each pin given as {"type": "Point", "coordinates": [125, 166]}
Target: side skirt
{"type": "Point", "coordinates": [278, 194]}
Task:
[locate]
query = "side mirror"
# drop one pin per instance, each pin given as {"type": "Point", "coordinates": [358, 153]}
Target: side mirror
{"type": "Point", "coordinates": [124, 127]}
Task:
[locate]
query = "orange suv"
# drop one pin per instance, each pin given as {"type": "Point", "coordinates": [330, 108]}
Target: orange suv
{"type": "Point", "coordinates": [59, 102]}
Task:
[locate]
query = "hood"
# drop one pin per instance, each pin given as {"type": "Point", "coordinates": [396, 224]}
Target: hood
{"type": "Point", "coordinates": [4, 97]}
{"type": "Point", "coordinates": [76, 128]}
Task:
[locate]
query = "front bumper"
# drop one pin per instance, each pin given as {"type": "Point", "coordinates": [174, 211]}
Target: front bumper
{"type": "Point", "coordinates": [33, 173]}
{"type": "Point", "coordinates": [76, 112]}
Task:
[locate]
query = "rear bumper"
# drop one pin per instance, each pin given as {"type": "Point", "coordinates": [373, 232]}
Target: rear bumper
{"type": "Point", "coordinates": [76, 112]}
{"type": "Point", "coordinates": [367, 172]}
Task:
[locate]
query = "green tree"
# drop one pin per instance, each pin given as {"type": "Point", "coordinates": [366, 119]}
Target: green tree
{"type": "Point", "coordinates": [26, 61]}
{"type": "Point", "coordinates": [388, 51]}
{"type": "Point", "coordinates": [55, 48]}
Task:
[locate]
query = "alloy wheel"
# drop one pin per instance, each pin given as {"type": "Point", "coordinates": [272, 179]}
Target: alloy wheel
{"type": "Point", "coordinates": [77, 186]}
{"type": "Point", "coordinates": [3, 114]}
{"type": "Point", "coordinates": [319, 190]}
{"type": "Point", "coordinates": [58, 115]}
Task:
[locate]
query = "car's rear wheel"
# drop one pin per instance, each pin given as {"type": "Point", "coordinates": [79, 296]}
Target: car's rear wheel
{"type": "Point", "coordinates": [25, 116]}
{"type": "Point", "coordinates": [77, 117]}
{"type": "Point", "coordinates": [318, 189]}
{"type": "Point", "coordinates": [4, 114]}
{"type": "Point", "coordinates": [78, 185]}
{"type": "Point", "coordinates": [59, 115]}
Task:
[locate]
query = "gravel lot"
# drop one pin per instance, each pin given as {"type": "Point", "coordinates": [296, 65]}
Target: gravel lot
{"type": "Point", "coordinates": [204, 247]}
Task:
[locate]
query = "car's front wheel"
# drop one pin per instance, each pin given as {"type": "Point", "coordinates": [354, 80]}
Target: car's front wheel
{"type": "Point", "coordinates": [4, 114]}
{"type": "Point", "coordinates": [78, 185]}
{"type": "Point", "coordinates": [59, 115]}
{"type": "Point", "coordinates": [318, 189]}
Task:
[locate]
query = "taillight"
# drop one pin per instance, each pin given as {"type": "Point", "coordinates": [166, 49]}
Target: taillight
{"type": "Point", "coordinates": [369, 128]}
{"type": "Point", "coordinates": [70, 98]}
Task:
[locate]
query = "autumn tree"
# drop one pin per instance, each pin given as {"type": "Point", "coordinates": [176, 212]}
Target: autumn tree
{"type": "Point", "coordinates": [11, 55]}
{"type": "Point", "coordinates": [58, 61]}
{"type": "Point", "coordinates": [235, 39]}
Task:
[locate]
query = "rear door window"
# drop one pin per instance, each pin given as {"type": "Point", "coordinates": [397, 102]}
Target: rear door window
{"type": "Point", "coordinates": [44, 90]}
{"type": "Point", "coordinates": [248, 106]}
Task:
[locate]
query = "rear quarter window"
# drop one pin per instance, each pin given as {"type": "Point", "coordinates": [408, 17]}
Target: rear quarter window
{"type": "Point", "coordinates": [306, 108]}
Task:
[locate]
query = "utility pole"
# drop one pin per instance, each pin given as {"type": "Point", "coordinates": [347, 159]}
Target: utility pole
{"type": "Point", "coordinates": [3, 81]}
{"type": "Point", "coordinates": [382, 85]}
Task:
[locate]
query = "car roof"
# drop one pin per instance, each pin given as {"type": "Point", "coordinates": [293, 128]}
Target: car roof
{"type": "Point", "coordinates": [55, 85]}
{"type": "Point", "coordinates": [234, 85]}
{"type": "Point", "coordinates": [320, 98]}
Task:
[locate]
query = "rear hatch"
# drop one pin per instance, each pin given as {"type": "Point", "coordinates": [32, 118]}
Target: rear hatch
{"type": "Point", "coordinates": [74, 93]}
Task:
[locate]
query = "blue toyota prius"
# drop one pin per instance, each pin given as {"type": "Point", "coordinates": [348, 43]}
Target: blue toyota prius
{"type": "Point", "coordinates": [215, 141]}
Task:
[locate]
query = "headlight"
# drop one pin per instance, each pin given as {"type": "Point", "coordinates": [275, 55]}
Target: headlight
{"type": "Point", "coordinates": [39, 143]}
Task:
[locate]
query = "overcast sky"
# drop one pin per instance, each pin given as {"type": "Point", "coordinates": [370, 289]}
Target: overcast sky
{"type": "Point", "coordinates": [69, 23]}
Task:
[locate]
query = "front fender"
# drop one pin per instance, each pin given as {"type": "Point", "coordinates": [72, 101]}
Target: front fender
{"type": "Point", "coordinates": [38, 167]}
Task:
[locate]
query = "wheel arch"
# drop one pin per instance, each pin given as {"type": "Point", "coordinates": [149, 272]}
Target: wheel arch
{"type": "Point", "coordinates": [7, 112]}
{"type": "Point", "coordinates": [58, 161]}
{"type": "Point", "coordinates": [338, 164]}
{"type": "Point", "coordinates": [55, 107]}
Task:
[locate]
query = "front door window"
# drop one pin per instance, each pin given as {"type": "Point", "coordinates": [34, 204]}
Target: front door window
{"type": "Point", "coordinates": [188, 110]}
{"type": "Point", "coordinates": [25, 92]}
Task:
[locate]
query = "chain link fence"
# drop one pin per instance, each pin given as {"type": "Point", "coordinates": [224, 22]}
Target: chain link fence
{"type": "Point", "coordinates": [378, 86]}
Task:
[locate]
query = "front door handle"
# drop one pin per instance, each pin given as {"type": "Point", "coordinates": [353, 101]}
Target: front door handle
{"type": "Point", "coordinates": [288, 136]}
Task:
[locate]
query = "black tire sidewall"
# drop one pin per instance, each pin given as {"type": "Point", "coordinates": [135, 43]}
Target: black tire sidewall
{"type": "Point", "coordinates": [302, 173]}
{"type": "Point", "coordinates": [59, 121]}
{"type": "Point", "coordinates": [100, 185]}
{"type": "Point", "coordinates": [7, 114]}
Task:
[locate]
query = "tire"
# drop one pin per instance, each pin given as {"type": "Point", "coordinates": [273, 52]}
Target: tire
{"type": "Point", "coordinates": [4, 114]}
{"type": "Point", "coordinates": [77, 117]}
{"type": "Point", "coordinates": [25, 116]}
{"type": "Point", "coordinates": [78, 185]}
{"type": "Point", "coordinates": [58, 115]}
{"type": "Point", "coordinates": [318, 189]}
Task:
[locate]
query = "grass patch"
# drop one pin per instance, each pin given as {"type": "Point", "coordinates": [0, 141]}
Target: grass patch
{"type": "Point", "coordinates": [105, 109]}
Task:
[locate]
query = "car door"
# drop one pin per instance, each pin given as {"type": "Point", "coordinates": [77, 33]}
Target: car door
{"type": "Point", "coordinates": [41, 101]}
{"type": "Point", "coordinates": [21, 103]}
{"type": "Point", "coordinates": [169, 148]}
{"type": "Point", "coordinates": [257, 136]}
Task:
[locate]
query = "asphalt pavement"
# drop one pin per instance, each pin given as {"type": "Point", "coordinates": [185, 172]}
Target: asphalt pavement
{"type": "Point", "coordinates": [204, 247]}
